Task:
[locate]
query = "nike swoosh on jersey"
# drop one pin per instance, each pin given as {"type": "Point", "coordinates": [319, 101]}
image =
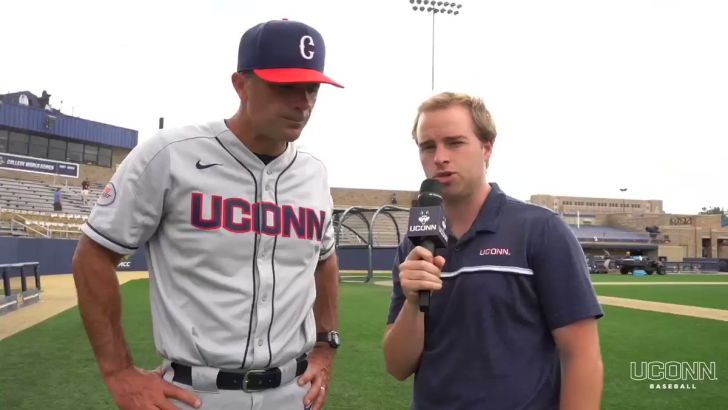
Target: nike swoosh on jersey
{"type": "Point", "coordinates": [204, 166]}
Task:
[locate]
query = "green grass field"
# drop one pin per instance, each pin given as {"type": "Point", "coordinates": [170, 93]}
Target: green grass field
{"type": "Point", "coordinates": [660, 278]}
{"type": "Point", "coordinates": [695, 295]}
{"type": "Point", "coordinates": [50, 366]}
{"type": "Point", "coordinates": [629, 335]}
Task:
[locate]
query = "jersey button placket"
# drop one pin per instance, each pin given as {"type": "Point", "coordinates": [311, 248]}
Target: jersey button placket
{"type": "Point", "coordinates": [265, 274]}
{"type": "Point", "coordinates": [267, 181]}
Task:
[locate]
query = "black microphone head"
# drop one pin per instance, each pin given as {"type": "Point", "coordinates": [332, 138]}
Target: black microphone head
{"type": "Point", "coordinates": [430, 193]}
{"type": "Point", "coordinates": [427, 222]}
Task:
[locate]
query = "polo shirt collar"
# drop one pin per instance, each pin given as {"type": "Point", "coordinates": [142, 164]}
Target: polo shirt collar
{"type": "Point", "coordinates": [490, 212]}
{"type": "Point", "coordinates": [488, 217]}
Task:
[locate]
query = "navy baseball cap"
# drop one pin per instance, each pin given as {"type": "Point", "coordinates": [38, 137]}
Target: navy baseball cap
{"type": "Point", "coordinates": [284, 51]}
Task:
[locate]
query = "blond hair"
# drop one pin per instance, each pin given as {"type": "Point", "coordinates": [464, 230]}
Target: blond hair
{"type": "Point", "coordinates": [484, 127]}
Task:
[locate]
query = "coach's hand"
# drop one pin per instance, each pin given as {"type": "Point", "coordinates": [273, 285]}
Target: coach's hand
{"type": "Point", "coordinates": [420, 271]}
{"type": "Point", "coordinates": [134, 388]}
{"type": "Point", "coordinates": [317, 373]}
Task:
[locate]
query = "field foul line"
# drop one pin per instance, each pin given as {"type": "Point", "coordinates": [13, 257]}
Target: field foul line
{"type": "Point", "coordinates": [661, 307]}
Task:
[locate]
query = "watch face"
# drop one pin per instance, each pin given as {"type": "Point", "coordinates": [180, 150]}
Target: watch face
{"type": "Point", "coordinates": [334, 339]}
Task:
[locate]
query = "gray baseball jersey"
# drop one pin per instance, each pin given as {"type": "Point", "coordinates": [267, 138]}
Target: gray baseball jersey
{"type": "Point", "coordinates": [232, 244]}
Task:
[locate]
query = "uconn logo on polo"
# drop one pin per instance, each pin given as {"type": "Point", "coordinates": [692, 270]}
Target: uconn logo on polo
{"type": "Point", "coordinates": [306, 41]}
{"type": "Point", "coordinates": [495, 251]}
{"type": "Point", "coordinates": [240, 216]}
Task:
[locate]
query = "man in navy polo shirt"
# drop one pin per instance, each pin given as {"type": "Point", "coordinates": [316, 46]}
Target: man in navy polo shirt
{"type": "Point", "coordinates": [512, 319]}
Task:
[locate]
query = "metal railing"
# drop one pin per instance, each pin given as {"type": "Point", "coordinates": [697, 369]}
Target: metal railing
{"type": "Point", "coordinates": [45, 229]}
{"type": "Point", "coordinates": [25, 226]}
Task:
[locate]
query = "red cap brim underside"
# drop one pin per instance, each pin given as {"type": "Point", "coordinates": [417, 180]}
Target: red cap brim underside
{"type": "Point", "coordinates": [294, 75]}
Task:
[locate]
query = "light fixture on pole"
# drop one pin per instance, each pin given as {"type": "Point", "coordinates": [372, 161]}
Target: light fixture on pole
{"type": "Point", "coordinates": [435, 7]}
{"type": "Point", "coordinates": [624, 200]}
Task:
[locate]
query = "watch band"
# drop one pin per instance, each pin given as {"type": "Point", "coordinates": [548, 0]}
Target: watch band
{"type": "Point", "coordinates": [322, 337]}
{"type": "Point", "coordinates": [331, 338]}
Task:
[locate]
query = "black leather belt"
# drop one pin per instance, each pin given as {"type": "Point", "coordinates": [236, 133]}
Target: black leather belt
{"type": "Point", "coordinates": [246, 380]}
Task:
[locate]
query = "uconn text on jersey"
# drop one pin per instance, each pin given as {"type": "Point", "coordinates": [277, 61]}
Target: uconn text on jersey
{"type": "Point", "coordinates": [240, 216]}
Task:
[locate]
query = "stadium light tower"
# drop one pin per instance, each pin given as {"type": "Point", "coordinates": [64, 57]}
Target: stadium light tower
{"type": "Point", "coordinates": [435, 7]}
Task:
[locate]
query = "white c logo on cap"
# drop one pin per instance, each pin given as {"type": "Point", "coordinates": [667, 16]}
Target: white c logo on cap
{"type": "Point", "coordinates": [306, 41]}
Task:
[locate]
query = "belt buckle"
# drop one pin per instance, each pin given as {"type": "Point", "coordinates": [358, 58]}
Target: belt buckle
{"type": "Point", "coordinates": [246, 380]}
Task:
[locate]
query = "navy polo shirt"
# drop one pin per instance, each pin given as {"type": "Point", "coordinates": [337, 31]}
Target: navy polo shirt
{"type": "Point", "coordinates": [515, 276]}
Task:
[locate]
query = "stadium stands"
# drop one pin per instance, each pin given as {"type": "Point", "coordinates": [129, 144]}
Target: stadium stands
{"type": "Point", "coordinates": [608, 234]}
{"type": "Point", "coordinates": [31, 195]}
{"type": "Point", "coordinates": [355, 231]}
{"type": "Point", "coordinates": [26, 209]}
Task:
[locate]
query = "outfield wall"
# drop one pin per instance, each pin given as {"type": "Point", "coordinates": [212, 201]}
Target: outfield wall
{"type": "Point", "coordinates": [54, 256]}
{"type": "Point", "coordinates": [357, 258]}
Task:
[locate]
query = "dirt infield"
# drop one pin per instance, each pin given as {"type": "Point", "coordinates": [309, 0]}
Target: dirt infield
{"type": "Point", "coordinates": [660, 307]}
{"type": "Point", "coordinates": [58, 293]}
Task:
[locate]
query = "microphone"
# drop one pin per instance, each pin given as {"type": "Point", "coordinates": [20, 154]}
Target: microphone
{"type": "Point", "coordinates": [427, 224]}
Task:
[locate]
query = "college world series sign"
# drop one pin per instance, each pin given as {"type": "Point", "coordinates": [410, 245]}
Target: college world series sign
{"type": "Point", "coordinates": [37, 165]}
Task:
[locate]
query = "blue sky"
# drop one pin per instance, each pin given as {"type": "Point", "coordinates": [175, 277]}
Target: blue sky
{"type": "Point", "coordinates": [587, 96]}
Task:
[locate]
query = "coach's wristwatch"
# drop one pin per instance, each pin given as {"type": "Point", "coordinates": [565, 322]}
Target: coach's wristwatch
{"type": "Point", "coordinates": [332, 338]}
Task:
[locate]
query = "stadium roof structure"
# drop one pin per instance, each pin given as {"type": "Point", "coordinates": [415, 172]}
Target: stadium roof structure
{"type": "Point", "coordinates": [24, 111]}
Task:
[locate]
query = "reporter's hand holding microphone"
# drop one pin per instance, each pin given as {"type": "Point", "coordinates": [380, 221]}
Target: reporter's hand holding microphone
{"type": "Point", "coordinates": [419, 274]}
